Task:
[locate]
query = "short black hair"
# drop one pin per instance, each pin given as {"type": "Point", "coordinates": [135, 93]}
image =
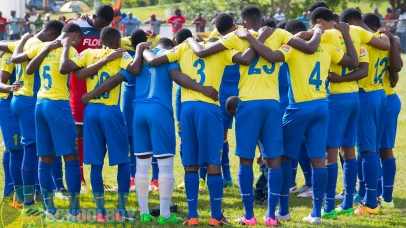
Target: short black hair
{"type": "Point", "coordinates": [336, 18]}
{"type": "Point", "coordinates": [72, 28]}
{"type": "Point", "coordinates": [270, 23]}
{"type": "Point", "coordinates": [166, 42]}
{"type": "Point", "coordinates": [350, 14]}
{"type": "Point", "coordinates": [106, 12]}
{"type": "Point", "coordinates": [371, 20]}
{"type": "Point", "coordinates": [231, 104]}
{"type": "Point", "coordinates": [294, 26]}
{"type": "Point", "coordinates": [322, 13]}
{"type": "Point", "coordinates": [316, 5]}
{"type": "Point", "coordinates": [178, 11]}
{"type": "Point", "coordinates": [54, 26]}
{"type": "Point", "coordinates": [224, 22]}
{"type": "Point", "coordinates": [281, 24]}
{"type": "Point", "coordinates": [138, 36]}
{"type": "Point", "coordinates": [250, 12]}
{"type": "Point", "coordinates": [182, 35]}
{"type": "Point", "coordinates": [109, 35]}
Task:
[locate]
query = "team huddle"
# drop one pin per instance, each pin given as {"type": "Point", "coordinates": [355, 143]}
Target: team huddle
{"type": "Point", "coordinates": [293, 93]}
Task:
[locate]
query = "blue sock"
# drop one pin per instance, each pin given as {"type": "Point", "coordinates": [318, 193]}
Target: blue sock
{"type": "Point", "coordinates": [350, 181]}
{"type": "Point", "coordinates": [96, 180]}
{"type": "Point", "coordinates": [246, 181]}
{"type": "Point", "coordinates": [155, 169]}
{"type": "Point", "coordinates": [370, 165]}
{"type": "Point", "coordinates": [274, 190]}
{"type": "Point", "coordinates": [361, 183]}
{"type": "Point", "coordinates": [29, 172]}
{"type": "Point", "coordinates": [72, 177]}
{"type": "Point", "coordinates": [284, 196]}
{"type": "Point", "coordinates": [305, 164]}
{"type": "Point", "coordinates": [45, 180]}
{"type": "Point", "coordinates": [133, 164]}
{"type": "Point", "coordinates": [123, 175]}
{"type": "Point", "coordinates": [192, 193]}
{"type": "Point", "coordinates": [57, 173]}
{"type": "Point", "coordinates": [388, 178]}
{"type": "Point", "coordinates": [203, 172]}
{"type": "Point", "coordinates": [319, 182]}
{"type": "Point", "coordinates": [295, 163]}
{"type": "Point", "coordinates": [8, 181]}
{"type": "Point", "coordinates": [16, 160]}
{"type": "Point", "coordinates": [332, 175]}
{"type": "Point", "coordinates": [225, 162]}
{"type": "Point", "coordinates": [215, 186]}
{"type": "Point", "coordinates": [379, 186]}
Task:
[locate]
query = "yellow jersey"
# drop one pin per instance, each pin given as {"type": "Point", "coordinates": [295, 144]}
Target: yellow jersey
{"type": "Point", "coordinates": [387, 87]}
{"type": "Point", "coordinates": [378, 61]}
{"type": "Point", "coordinates": [126, 43]}
{"type": "Point", "coordinates": [217, 35]}
{"type": "Point", "coordinates": [258, 81]}
{"type": "Point", "coordinates": [7, 66]}
{"type": "Point", "coordinates": [90, 56]}
{"type": "Point", "coordinates": [54, 85]}
{"type": "Point", "coordinates": [359, 36]}
{"type": "Point", "coordinates": [207, 71]}
{"type": "Point", "coordinates": [30, 83]}
{"type": "Point", "coordinates": [308, 73]}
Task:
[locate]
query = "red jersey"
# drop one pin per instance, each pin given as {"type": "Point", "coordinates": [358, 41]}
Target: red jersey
{"type": "Point", "coordinates": [177, 22]}
{"type": "Point", "coordinates": [3, 27]}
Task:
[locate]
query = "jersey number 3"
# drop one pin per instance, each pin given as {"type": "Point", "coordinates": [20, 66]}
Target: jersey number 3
{"type": "Point", "coordinates": [200, 63]}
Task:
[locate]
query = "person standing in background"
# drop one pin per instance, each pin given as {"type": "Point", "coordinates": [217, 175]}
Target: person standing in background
{"type": "Point", "coordinates": [131, 23]}
{"type": "Point", "coordinates": [391, 21]}
{"type": "Point", "coordinates": [26, 24]}
{"type": "Point", "coordinates": [401, 29]}
{"type": "Point", "coordinates": [177, 21]}
{"type": "Point", "coordinates": [3, 23]}
{"type": "Point", "coordinates": [279, 16]}
{"type": "Point", "coordinates": [47, 19]}
{"type": "Point", "coordinates": [155, 23]}
{"type": "Point", "coordinates": [376, 12]}
{"type": "Point", "coordinates": [200, 23]}
{"type": "Point", "coordinates": [38, 22]}
{"type": "Point", "coordinates": [305, 19]}
{"type": "Point", "coordinates": [14, 27]}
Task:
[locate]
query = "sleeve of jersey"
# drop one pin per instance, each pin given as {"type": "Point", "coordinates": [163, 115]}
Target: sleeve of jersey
{"type": "Point", "coordinates": [6, 64]}
{"type": "Point", "coordinates": [128, 76]}
{"type": "Point", "coordinates": [73, 53]}
{"type": "Point", "coordinates": [126, 44]}
{"type": "Point", "coordinates": [363, 55]}
{"type": "Point", "coordinates": [174, 54]}
{"type": "Point", "coordinates": [336, 54]}
{"type": "Point", "coordinates": [287, 51]}
{"type": "Point", "coordinates": [365, 36]}
{"type": "Point", "coordinates": [173, 65]}
{"type": "Point", "coordinates": [286, 36]}
{"type": "Point", "coordinates": [81, 59]}
{"type": "Point", "coordinates": [34, 51]}
{"type": "Point", "coordinates": [12, 45]}
{"type": "Point", "coordinates": [228, 56]}
{"type": "Point", "coordinates": [125, 60]}
{"type": "Point", "coordinates": [230, 41]}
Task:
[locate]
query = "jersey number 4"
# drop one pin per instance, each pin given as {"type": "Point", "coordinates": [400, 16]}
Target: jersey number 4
{"type": "Point", "coordinates": [314, 78]}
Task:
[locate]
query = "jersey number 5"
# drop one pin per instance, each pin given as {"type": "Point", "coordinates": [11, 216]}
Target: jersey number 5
{"type": "Point", "coordinates": [47, 76]}
{"type": "Point", "coordinates": [314, 78]}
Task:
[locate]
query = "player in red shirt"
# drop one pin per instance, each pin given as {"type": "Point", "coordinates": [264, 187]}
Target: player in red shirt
{"type": "Point", "coordinates": [177, 21]}
{"type": "Point", "coordinates": [91, 28]}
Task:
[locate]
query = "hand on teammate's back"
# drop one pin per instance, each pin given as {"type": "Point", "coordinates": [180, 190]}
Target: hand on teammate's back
{"type": "Point", "coordinates": [26, 37]}
{"type": "Point", "coordinates": [66, 42]}
{"type": "Point", "coordinates": [85, 98]}
{"type": "Point", "coordinates": [209, 91]}
{"type": "Point", "coordinates": [385, 31]}
{"type": "Point", "coordinates": [343, 27]}
{"type": "Point", "coordinates": [54, 45]}
{"type": "Point", "coordinates": [15, 86]}
{"type": "Point", "coordinates": [333, 77]}
{"type": "Point", "coordinates": [265, 32]}
{"type": "Point", "coordinates": [118, 53]}
{"type": "Point", "coordinates": [242, 33]}
{"type": "Point", "coordinates": [318, 28]}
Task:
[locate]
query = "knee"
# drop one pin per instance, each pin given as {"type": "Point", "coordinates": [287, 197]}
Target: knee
{"type": "Point", "coordinates": [213, 169]}
{"type": "Point", "coordinates": [192, 168]}
{"type": "Point", "coordinates": [244, 161]}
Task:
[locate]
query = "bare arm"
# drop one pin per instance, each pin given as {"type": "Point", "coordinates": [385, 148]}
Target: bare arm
{"type": "Point", "coordinates": [34, 64]}
{"type": "Point", "coordinates": [4, 88]}
{"type": "Point", "coordinates": [186, 82]}
{"type": "Point", "coordinates": [4, 46]}
{"type": "Point", "coordinates": [136, 65]}
{"type": "Point", "coordinates": [205, 51]}
{"type": "Point", "coordinates": [357, 74]}
{"type": "Point", "coordinates": [396, 62]}
{"type": "Point", "coordinates": [154, 60]}
{"type": "Point", "coordinates": [106, 86]}
{"type": "Point", "coordinates": [393, 78]}
{"type": "Point", "coordinates": [351, 58]}
{"type": "Point", "coordinates": [245, 58]}
{"type": "Point", "coordinates": [65, 64]}
{"type": "Point", "coordinates": [18, 56]}
{"type": "Point", "coordinates": [380, 44]}
{"type": "Point", "coordinates": [264, 51]}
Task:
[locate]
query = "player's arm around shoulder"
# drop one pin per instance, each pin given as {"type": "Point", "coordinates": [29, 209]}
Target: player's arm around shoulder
{"type": "Point", "coordinates": [205, 51]}
{"type": "Point", "coordinates": [18, 55]}
{"type": "Point", "coordinates": [39, 56]}
{"type": "Point", "coordinates": [136, 65]}
{"type": "Point", "coordinates": [66, 64]}
{"type": "Point", "coordinates": [350, 59]}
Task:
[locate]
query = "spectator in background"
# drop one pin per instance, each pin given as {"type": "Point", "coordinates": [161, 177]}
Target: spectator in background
{"type": "Point", "coordinates": [14, 26]}
{"type": "Point", "coordinates": [62, 18]}
{"type": "Point", "coordinates": [279, 16]}
{"type": "Point", "coordinates": [377, 13]}
{"type": "Point", "coordinates": [200, 23]}
{"type": "Point", "coordinates": [234, 18]}
{"type": "Point", "coordinates": [47, 19]}
{"type": "Point", "coordinates": [155, 23]}
{"type": "Point", "coordinates": [78, 15]}
{"type": "Point", "coordinates": [131, 23]}
{"type": "Point", "coordinates": [177, 21]}
{"type": "Point", "coordinates": [26, 24]}
{"type": "Point", "coordinates": [38, 22]}
{"type": "Point", "coordinates": [3, 23]}
{"type": "Point", "coordinates": [213, 21]}
{"type": "Point", "coordinates": [391, 21]}
{"type": "Point", "coordinates": [401, 29]}
{"type": "Point", "coordinates": [305, 19]}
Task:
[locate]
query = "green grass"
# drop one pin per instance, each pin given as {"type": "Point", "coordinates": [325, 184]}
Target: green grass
{"type": "Point", "coordinates": [232, 204]}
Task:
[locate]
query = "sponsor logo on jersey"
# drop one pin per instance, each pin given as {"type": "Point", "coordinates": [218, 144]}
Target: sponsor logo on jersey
{"type": "Point", "coordinates": [362, 52]}
{"type": "Point", "coordinates": [286, 48]}
{"type": "Point", "coordinates": [91, 42]}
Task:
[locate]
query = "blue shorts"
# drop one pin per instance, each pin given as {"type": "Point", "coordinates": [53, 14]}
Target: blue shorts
{"type": "Point", "coordinates": [55, 127]}
{"type": "Point", "coordinates": [393, 106]}
{"type": "Point", "coordinates": [105, 125]}
{"type": "Point", "coordinates": [227, 91]}
{"type": "Point", "coordinates": [202, 133]}
{"type": "Point", "coordinates": [283, 103]}
{"type": "Point", "coordinates": [153, 130]}
{"type": "Point", "coordinates": [306, 121]}
{"type": "Point", "coordinates": [258, 120]}
{"type": "Point", "coordinates": [371, 120]}
{"type": "Point", "coordinates": [178, 103]}
{"type": "Point", "coordinates": [9, 127]}
{"type": "Point", "coordinates": [127, 107]}
{"type": "Point", "coordinates": [343, 119]}
{"type": "Point", "coordinates": [23, 108]}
